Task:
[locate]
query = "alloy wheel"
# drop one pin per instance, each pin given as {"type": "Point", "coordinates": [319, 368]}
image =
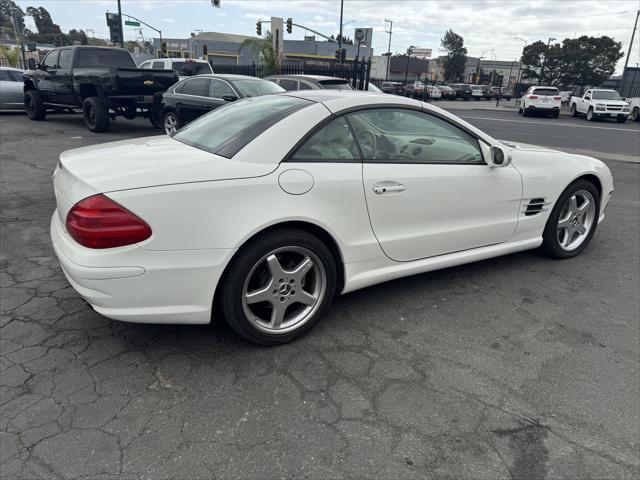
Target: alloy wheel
{"type": "Point", "coordinates": [170, 124]}
{"type": "Point", "coordinates": [576, 220]}
{"type": "Point", "coordinates": [284, 290]}
{"type": "Point", "coordinates": [90, 115]}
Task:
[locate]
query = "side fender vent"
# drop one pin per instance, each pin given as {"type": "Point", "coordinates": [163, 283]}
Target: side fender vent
{"type": "Point", "coordinates": [535, 205]}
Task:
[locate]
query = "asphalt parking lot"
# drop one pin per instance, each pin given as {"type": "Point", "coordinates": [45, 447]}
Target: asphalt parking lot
{"type": "Point", "coordinates": [519, 367]}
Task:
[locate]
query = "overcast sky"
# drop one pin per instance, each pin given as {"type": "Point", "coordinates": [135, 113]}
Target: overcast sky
{"type": "Point", "coordinates": [484, 24]}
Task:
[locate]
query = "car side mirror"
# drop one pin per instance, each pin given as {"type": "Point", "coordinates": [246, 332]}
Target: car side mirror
{"type": "Point", "coordinates": [229, 98]}
{"type": "Point", "coordinates": [31, 63]}
{"type": "Point", "coordinates": [499, 157]}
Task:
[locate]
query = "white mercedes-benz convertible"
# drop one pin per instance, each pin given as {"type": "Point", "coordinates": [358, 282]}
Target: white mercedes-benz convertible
{"type": "Point", "coordinates": [270, 206]}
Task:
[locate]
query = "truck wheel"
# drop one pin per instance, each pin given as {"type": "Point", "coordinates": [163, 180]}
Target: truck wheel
{"type": "Point", "coordinates": [95, 114]}
{"type": "Point", "coordinates": [34, 106]}
{"type": "Point", "coordinates": [572, 111]}
{"type": "Point", "coordinates": [590, 116]}
{"type": "Point", "coordinates": [635, 114]}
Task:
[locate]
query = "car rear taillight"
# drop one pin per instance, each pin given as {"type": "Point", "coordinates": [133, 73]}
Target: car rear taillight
{"type": "Point", "coordinates": [532, 97]}
{"type": "Point", "coordinates": [557, 98]}
{"type": "Point", "coordinates": [99, 222]}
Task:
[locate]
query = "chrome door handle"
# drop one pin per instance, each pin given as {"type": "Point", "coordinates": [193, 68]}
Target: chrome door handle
{"type": "Point", "coordinates": [395, 187]}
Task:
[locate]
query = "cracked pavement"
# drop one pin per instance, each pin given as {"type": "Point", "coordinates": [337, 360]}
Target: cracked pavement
{"type": "Point", "coordinates": [519, 367]}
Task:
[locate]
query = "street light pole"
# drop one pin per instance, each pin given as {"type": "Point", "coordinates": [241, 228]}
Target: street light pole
{"type": "Point", "coordinates": [120, 25]}
{"type": "Point", "coordinates": [524, 45]}
{"type": "Point", "coordinates": [546, 57]}
{"type": "Point", "coordinates": [340, 37]}
{"type": "Point", "coordinates": [390, 31]}
{"type": "Point", "coordinates": [406, 70]}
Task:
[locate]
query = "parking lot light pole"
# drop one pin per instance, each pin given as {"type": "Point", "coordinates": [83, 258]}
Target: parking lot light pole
{"type": "Point", "coordinates": [406, 70]}
{"type": "Point", "coordinates": [340, 35]}
{"type": "Point", "coordinates": [389, 31]}
{"type": "Point", "coordinates": [524, 45]}
{"type": "Point", "coordinates": [546, 57]}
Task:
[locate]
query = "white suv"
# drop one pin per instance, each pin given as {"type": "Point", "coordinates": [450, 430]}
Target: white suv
{"type": "Point", "coordinates": [545, 100]}
{"type": "Point", "coordinates": [184, 67]}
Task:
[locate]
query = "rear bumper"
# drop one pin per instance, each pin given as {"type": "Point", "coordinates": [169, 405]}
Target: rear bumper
{"type": "Point", "coordinates": [544, 108]}
{"type": "Point", "coordinates": [137, 285]}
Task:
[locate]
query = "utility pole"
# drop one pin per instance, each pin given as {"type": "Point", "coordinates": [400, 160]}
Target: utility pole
{"type": "Point", "coordinates": [120, 25]}
{"type": "Point", "coordinates": [390, 31]}
{"type": "Point", "coordinates": [406, 70]}
{"type": "Point", "coordinates": [633, 34]}
{"type": "Point", "coordinates": [340, 37]}
{"type": "Point", "coordinates": [546, 57]}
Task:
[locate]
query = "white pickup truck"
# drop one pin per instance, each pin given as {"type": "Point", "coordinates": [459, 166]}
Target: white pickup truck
{"type": "Point", "coordinates": [597, 102]}
{"type": "Point", "coordinates": [634, 106]}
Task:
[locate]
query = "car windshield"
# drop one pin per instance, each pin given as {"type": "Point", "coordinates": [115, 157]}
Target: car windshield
{"type": "Point", "coordinates": [187, 69]}
{"type": "Point", "coordinates": [606, 95]}
{"type": "Point", "coordinates": [335, 85]}
{"type": "Point", "coordinates": [546, 92]}
{"type": "Point", "coordinates": [97, 57]}
{"type": "Point", "coordinates": [227, 129]}
{"type": "Point", "coordinates": [257, 87]}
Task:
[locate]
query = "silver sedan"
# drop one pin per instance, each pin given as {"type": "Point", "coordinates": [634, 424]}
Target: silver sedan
{"type": "Point", "coordinates": [11, 89]}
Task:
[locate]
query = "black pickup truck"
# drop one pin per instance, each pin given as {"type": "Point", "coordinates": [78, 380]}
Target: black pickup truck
{"type": "Point", "coordinates": [103, 82]}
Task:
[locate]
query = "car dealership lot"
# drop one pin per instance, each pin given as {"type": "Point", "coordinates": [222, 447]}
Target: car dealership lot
{"type": "Point", "coordinates": [519, 366]}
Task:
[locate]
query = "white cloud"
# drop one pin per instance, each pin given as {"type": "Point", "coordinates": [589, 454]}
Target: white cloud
{"type": "Point", "coordinates": [168, 20]}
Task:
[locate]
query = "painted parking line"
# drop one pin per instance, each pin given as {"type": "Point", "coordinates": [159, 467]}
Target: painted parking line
{"type": "Point", "coordinates": [554, 124]}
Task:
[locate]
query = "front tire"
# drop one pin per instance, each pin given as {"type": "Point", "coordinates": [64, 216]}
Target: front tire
{"type": "Point", "coordinates": [635, 114]}
{"type": "Point", "coordinates": [573, 220]}
{"type": "Point", "coordinates": [590, 116]}
{"type": "Point", "coordinates": [34, 105]}
{"type": "Point", "coordinates": [278, 286]}
{"type": "Point", "coordinates": [95, 114]}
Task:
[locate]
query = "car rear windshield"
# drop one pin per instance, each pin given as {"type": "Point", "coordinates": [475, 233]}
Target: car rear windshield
{"type": "Point", "coordinates": [257, 87]}
{"type": "Point", "coordinates": [606, 95]}
{"type": "Point", "coordinates": [95, 57]}
{"type": "Point", "coordinates": [186, 69]}
{"type": "Point", "coordinates": [546, 92]}
{"type": "Point", "coordinates": [335, 85]}
{"type": "Point", "coordinates": [226, 130]}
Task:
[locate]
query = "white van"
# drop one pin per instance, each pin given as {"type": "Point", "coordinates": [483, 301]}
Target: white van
{"type": "Point", "coordinates": [184, 67]}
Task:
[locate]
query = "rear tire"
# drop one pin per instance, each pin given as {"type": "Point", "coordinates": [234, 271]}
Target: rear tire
{"type": "Point", "coordinates": [551, 243]}
{"type": "Point", "coordinates": [268, 264]}
{"type": "Point", "coordinates": [573, 112]}
{"type": "Point", "coordinates": [556, 114]}
{"type": "Point", "coordinates": [95, 114]}
{"type": "Point", "coordinates": [34, 106]}
{"type": "Point", "coordinates": [525, 112]}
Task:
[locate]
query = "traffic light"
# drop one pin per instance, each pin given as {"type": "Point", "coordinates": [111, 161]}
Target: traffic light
{"type": "Point", "coordinates": [289, 25]}
{"type": "Point", "coordinates": [113, 22]}
{"type": "Point", "coordinates": [338, 54]}
{"type": "Point", "coordinates": [204, 51]}
{"type": "Point", "coordinates": [343, 55]}
{"type": "Point", "coordinates": [163, 49]}
{"type": "Point", "coordinates": [259, 28]}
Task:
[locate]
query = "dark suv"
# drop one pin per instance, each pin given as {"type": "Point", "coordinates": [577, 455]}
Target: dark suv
{"type": "Point", "coordinates": [463, 90]}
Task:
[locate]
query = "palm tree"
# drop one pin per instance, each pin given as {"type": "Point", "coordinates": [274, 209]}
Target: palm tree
{"type": "Point", "coordinates": [263, 49]}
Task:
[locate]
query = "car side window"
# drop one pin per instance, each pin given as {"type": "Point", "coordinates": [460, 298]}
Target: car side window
{"type": "Point", "coordinates": [389, 135]}
{"type": "Point", "coordinates": [64, 60]}
{"type": "Point", "coordinates": [219, 89]}
{"type": "Point", "coordinates": [51, 60]}
{"type": "Point", "coordinates": [145, 65]}
{"type": "Point", "coordinates": [304, 86]}
{"type": "Point", "coordinates": [158, 66]}
{"type": "Point", "coordinates": [195, 86]}
{"type": "Point", "coordinates": [332, 143]}
{"type": "Point", "coordinates": [288, 84]}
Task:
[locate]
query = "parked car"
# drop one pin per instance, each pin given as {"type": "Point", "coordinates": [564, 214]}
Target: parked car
{"type": "Point", "coordinates": [264, 210]}
{"type": "Point", "coordinates": [634, 106]}
{"type": "Point", "coordinates": [194, 96]}
{"type": "Point", "coordinates": [433, 92]}
{"type": "Point", "coordinates": [503, 93]}
{"type": "Point", "coordinates": [477, 92]}
{"type": "Point", "coordinates": [545, 100]}
{"type": "Point", "coordinates": [447, 93]}
{"type": "Point", "coordinates": [393, 87]}
{"type": "Point", "coordinates": [11, 89]}
{"type": "Point", "coordinates": [309, 82]}
{"type": "Point", "coordinates": [463, 90]}
{"type": "Point", "coordinates": [184, 67]}
{"type": "Point", "coordinates": [600, 103]}
{"type": "Point", "coordinates": [416, 90]}
{"type": "Point", "coordinates": [104, 82]}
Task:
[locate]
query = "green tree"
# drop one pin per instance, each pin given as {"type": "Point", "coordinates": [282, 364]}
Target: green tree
{"type": "Point", "coordinates": [542, 62]}
{"type": "Point", "coordinates": [456, 58]}
{"type": "Point", "coordinates": [262, 48]}
{"type": "Point", "coordinates": [588, 61]}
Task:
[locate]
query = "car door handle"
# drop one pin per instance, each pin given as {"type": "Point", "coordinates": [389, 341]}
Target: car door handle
{"type": "Point", "coordinates": [388, 187]}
